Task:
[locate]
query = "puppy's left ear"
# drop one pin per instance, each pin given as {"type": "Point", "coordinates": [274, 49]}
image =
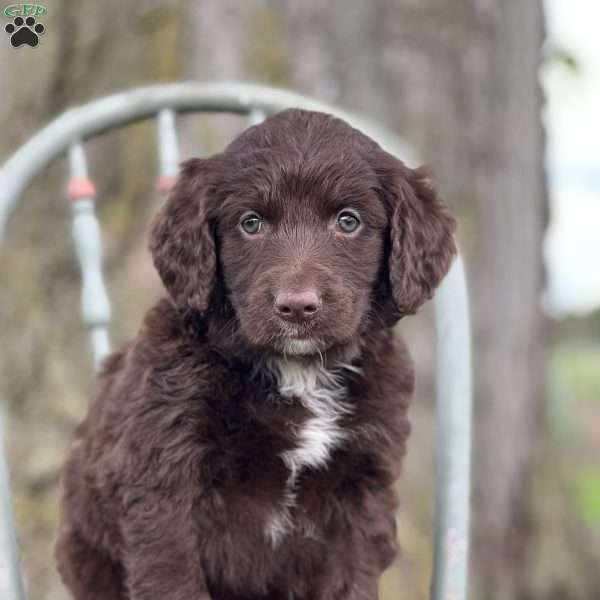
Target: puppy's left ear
{"type": "Point", "coordinates": [421, 245]}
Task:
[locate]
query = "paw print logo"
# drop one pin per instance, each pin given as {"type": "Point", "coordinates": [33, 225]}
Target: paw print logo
{"type": "Point", "coordinates": [24, 31]}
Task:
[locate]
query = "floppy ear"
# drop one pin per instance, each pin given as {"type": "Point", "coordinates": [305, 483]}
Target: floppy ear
{"type": "Point", "coordinates": [421, 245]}
{"type": "Point", "coordinates": [181, 240]}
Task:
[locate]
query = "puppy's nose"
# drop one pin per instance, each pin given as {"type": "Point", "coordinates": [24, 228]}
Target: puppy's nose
{"type": "Point", "coordinates": [297, 306]}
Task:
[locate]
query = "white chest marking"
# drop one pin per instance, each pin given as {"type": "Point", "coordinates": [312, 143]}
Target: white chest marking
{"type": "Point", "coordinates": [322, 393]}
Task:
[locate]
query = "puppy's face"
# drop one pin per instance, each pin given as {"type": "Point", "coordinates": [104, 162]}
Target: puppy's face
{"type": "Point", "coordinates": [311, 231]}
{"type": "Point", "coordinates": [301, 241]}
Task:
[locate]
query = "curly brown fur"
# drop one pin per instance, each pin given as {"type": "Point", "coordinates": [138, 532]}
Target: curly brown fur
{"type": "Point", "coordinates": [244, 446]}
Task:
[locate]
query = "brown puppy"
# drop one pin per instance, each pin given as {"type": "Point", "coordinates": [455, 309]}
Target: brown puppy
{"type": "Point", "coordinates": [245, 444]}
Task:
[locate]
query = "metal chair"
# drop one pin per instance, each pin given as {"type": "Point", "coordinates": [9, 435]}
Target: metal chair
{"type": "Point", "coordinates": [67, 133]}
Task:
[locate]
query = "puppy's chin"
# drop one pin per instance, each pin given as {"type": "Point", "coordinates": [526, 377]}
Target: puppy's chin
{"type": "Point", "coordinates": [312, 349]}
{"type": "Point", "coordinates": [300, 347]}
{"type": "Point", "coordinates": [310, 340]}
{"type": "Point", "coordinates": [284, 346]}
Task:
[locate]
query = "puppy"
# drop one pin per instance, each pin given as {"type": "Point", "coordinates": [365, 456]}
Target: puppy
{"type": "Point", "coordinates": [245, 444]}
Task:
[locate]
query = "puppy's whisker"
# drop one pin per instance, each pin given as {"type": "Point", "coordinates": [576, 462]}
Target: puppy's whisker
{"type": "Point", "coordinates": [321, 359]}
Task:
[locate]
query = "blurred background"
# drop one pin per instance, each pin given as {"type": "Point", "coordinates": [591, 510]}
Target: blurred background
{"type": "Point", "coordinates": [500, 98]}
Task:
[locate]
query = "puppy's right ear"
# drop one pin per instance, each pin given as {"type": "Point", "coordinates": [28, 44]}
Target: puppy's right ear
{"type": "Point", "coordinates": [181, 241]}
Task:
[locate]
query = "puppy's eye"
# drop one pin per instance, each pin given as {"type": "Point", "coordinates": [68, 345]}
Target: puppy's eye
{"type": "Point", "coordinates": [251, 223]}
{"type": "Point", "coordinates": [348, 221]}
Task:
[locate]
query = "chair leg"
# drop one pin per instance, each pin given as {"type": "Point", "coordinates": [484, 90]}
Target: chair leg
{"type": "Point", "coordinates": [11, 582]}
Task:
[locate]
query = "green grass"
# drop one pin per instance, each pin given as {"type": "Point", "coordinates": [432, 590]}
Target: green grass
{"type": "Point", "coordinates": [577, 370]}
{"type": "Point", "coordinates": [587, 494]}
{"type": "Point", "coordinates": [574, 410]}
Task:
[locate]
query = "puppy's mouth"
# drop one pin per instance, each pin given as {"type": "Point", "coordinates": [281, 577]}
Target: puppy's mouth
{"type": "Point", "coordinates": [298, 335]}
{"type": "Point", "coordinates": [300, 347]}
{"type": "Point", "coordinates": [297, 340]}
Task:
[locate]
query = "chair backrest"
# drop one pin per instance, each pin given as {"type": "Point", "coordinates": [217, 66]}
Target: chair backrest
{"type": "Point", "coordinates": [67, 134]}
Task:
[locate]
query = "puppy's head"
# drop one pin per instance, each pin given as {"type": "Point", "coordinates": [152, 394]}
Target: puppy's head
{"type": "Point", "coordinates": [307, 230]}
